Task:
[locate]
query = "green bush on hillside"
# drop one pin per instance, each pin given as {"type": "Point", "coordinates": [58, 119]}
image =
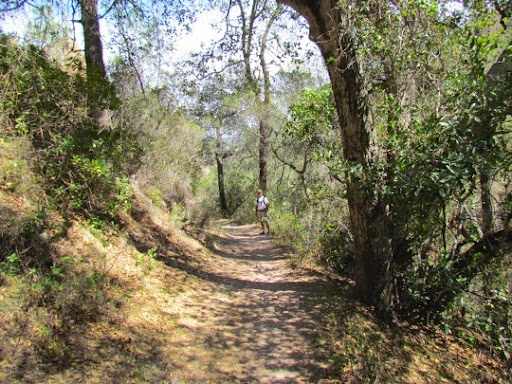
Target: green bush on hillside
{"type": "Point", "coordinates": [77, 159]}
{"type": "Point", "coordinates": [56, 163]}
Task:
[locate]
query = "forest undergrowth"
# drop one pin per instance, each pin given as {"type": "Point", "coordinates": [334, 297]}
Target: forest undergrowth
{"type": "Point", "coordinates": [144, 302]}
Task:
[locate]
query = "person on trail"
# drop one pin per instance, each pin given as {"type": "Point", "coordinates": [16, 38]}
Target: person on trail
{"type": "Point", "coordinates": [262, 205]}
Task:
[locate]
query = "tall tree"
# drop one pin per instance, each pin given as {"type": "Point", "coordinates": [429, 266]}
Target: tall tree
{"type": "Point", "coordinates": [345, 31]}
{"type": "Point", "coordinates": [220, 110]}
{"type": "Point", "coordinates": [485, 131]}
{"type": "Point", "coordinates": [93, 46]}
{"type": "Point", "coordinates": [99, 87]}
{"type": "Point", "coordinates": [247, 41]}
{"type": "Point", "coordinates": [252, 13]}
{"type": "Point", "coordinates": [93, 49]}
{"type": "Point", "coordinates": [330, 28]}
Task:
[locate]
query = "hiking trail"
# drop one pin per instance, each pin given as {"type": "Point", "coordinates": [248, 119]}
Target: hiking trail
{"type": "Point", "coordinates": [253, 318]}
{"type": "Point", "coordinates": [231, 307]}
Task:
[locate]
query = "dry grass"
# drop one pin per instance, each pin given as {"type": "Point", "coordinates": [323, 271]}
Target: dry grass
{"type": "Point", "coordinates": [172, 310]}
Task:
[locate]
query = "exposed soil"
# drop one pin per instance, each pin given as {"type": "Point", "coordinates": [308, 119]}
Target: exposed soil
{"type": "Point", "coordinates": [252, 318]}
{"type": "Point", "coordinates": [234, 311]}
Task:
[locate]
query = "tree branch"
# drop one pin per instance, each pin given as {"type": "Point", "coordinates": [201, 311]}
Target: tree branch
{"type": "Point", "coordinates": [288, 164]}
{"type": "Point", "coordinates": [15, 6]}
{"type": "Point", "coordinates": [108, 10]}
{"type": "Point", "coordinates": [480, 254]}
{"type": "Point", "coordinates": [266, 75]}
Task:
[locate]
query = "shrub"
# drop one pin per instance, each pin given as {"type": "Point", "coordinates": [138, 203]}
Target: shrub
{"type": "Point", "coordinates": [78, 160]}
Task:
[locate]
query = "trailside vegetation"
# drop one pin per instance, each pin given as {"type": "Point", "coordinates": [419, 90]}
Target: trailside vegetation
{"type": "Point", "coordinates": [425, 164]}
{"type": "Point", "coordinates": [392, 167]}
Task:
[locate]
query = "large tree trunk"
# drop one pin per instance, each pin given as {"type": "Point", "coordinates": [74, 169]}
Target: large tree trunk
{"type": "Point", "coordinates": [98, 87]}
{"type": "Point", "coordinates": [92, 40]}
{"type": "Point", "coordinates": [368, 217]}
{"type": "Point", "coordinates": [495, 73]}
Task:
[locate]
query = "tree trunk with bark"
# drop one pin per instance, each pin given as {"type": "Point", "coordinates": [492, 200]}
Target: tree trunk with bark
{"type": "Point", "coordinates": [219, 158]}
{"type": "Point", "coordinates": [95, 66]}
{"type": "Point", "coordinates": [495, 73]}
{"type": "Point", "coordinates": [487, 221]}
{"type": "Point", "coordinates": [368, 216]}
{"type": "Point", "coordinates": [98, 86]}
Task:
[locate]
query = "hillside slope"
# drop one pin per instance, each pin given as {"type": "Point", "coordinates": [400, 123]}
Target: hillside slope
{"type": "Point", "coordinates": [148, 303]}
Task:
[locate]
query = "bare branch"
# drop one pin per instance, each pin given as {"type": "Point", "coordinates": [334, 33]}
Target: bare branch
{"type": "Point", "coordinates": [14, 7]}
{"type": "Point", "coordinates": [109, 9]}
{"type": "Point", "coordinates": [217, 72]}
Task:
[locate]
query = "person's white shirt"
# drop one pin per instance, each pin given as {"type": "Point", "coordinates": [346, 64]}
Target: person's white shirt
{"type": "Point", "coordinates": [261, 202]}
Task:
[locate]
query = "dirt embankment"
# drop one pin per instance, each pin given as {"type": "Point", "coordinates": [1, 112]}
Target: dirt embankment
{"type": "Point", "coordinates": [234, 311]}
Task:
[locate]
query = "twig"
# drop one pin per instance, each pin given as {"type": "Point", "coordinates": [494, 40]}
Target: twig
{"type": "Point", "coordinates": [19, 337]}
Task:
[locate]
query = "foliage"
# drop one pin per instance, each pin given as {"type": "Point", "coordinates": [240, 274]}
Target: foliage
{"type": "Point", "coordinates": [76, 158]}
{"type": "Point", "coordinates": [227, 114]}
{"type": "Point", "coordinates": [170, 142]}
{"type": "Point", "coordinates": [242, 186]}
{"type": "Point", "coordinates": [147, 260]}
{"type": "Point", "coordinates": [16, 167]}
{"type": "Point", "coordinates": [56, 163]}
{"type": "Point", "coordinates": [313, 116]}
{"type": "Point", "coordinates": [484, 307]}
{"type": "Point", "coordinates": [206, 204]}
{"type": "Point", "coordinates": [315, 191]}
{"type": "Point", "coordinates": [435, 149]}
{"type": "Point", "coordinates": [315, 226]}
{"type": "Point", "coordinates": [442, 128]}
{"type": "Point", "coordinates": [433, 186]}
{"type": "Point", "coordinates": [433, 173]}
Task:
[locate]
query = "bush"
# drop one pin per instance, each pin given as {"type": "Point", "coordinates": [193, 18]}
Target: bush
{"type": "Point", "coordinates": [315, 232]}
{"type": "Point", "coordinates": [78, 160]}
{"type": "Point", "coordinates": [56, 163]}
{"type": "Point", "coordinates": [205, 205]}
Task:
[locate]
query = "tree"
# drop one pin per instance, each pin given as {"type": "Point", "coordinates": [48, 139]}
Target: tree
{"type": "Point", "coordinates": [250, 40]}
{"type": "Point", "coordinates": [329, 22]}
{"type": "Point", "coordinates": [307, 137]}
{"type": "Point", "coordinates": [411, 162]}
{"type": "Point", "coordinates": [93, 46]}
{"type": "Point", "coordinates": [251, 13]}
{"type": "Point", "coordinates": [221, 111]}
{"type": "Point", "coordinates": [496, 91]}
{"type": "Point", "coordinates": [98, 85]}
{"type": "Point", "coordinates": [130, 18]}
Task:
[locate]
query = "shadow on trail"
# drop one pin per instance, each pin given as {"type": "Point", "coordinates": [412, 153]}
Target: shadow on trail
{"type": "Point", "coordinates": [249, 248]}
{"type": "Point", "coordinates": [301, 327]}
{"type": "Point", "coordinates": [257, 254]}
{"type": "Point", "coordinates": [275, 337]}
{"type": "Point", "coordinates": [232, 325]}
{"type": "Point", "coordinates": [250, 329]}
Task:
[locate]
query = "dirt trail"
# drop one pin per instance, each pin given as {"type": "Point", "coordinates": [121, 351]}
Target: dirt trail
{"type": "Point", "coordinates": [252, 318]}
{"type": "Point", "coordinates": [234, 312]}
